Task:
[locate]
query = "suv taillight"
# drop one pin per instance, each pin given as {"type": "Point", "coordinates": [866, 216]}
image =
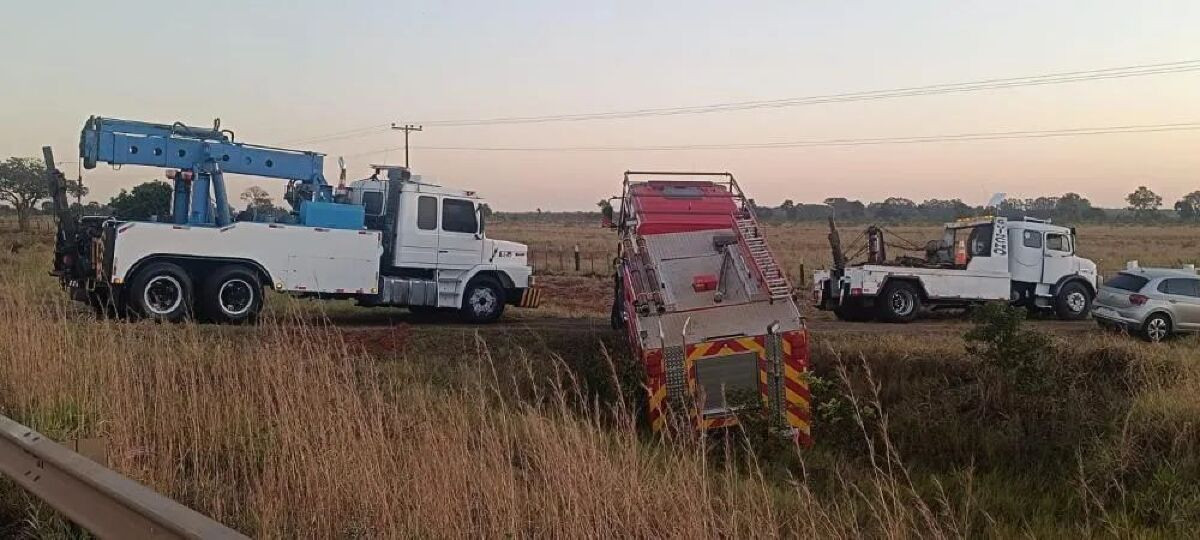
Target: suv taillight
{"type": "Point", "coordinates": [1138, 299]}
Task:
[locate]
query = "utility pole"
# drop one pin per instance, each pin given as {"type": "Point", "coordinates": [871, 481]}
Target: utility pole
{"type": "Point", "coordinates": [406, 128]}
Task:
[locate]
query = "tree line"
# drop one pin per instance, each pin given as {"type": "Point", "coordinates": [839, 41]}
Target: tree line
{"type": "Point", "coordinates": [23, 191]}
{"type": "Point", "coordinates": [1142, 205]}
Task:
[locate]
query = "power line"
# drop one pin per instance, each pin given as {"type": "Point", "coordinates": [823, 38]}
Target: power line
{"type": "Point", "coordinates": [911, 139]}
{"type": "Point", "coordinates": [348, 134]}
{"type": "Point", "coordinates": [1138, 70]}
{"type": "Point", "coordinates": [970, 86]}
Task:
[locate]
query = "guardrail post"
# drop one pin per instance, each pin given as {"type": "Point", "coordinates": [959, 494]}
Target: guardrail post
{"type": "Point", "coordinates": [576, 257]}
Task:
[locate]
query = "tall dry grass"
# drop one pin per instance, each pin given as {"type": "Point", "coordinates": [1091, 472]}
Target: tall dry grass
{"type": "Point", "coordinates": [286, 430]}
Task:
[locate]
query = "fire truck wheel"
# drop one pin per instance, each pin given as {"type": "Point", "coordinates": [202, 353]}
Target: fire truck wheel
{"type": "Point", "coordinates": [1072, 302]}
{"type": "Point", "coordinates": [233, 294]}
{"type": "Point", "coordinates": [162, 292]}
{"type": "Point", "coordinates": [899, 302]}
{"type": "Point", "coordinates": [483, 301]}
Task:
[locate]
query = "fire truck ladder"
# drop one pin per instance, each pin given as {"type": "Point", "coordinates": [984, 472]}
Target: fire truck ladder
{"type": "Point", "coordinates": [750, 236]}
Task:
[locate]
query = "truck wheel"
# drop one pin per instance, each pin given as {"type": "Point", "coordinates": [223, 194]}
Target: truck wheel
{"type": "Point", "coordinates": [162, 292]}
{"type": "Point", "coordinates": [233, 294]}
{"type": "Point", "coordinates": [899, 302]}
{"type": "Point", "coordinates": [1073, 302]}
{"type": "Point", "coordinates": [483, 301]}
{"type": "Point", "coordinates": [1156, 328]}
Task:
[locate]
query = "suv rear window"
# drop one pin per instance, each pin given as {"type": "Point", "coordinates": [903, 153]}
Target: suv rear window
{"type": "Point", "coordinates": [1126, 282]}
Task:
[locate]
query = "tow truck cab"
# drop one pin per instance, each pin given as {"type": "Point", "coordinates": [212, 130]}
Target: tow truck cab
{"type": "Point", "coordinates": [435, 235]}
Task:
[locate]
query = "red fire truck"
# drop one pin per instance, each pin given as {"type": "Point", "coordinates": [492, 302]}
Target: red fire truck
{"type": "Point", "coordinates": [706, 306]}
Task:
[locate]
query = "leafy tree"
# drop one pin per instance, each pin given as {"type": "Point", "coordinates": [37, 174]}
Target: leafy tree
{"type": "Point", "coordinates": [257, 198]}
{"type": "Point", "coordinates": [1189, 207]}
{"type": "Point", "coordinates": [1072, 207]}
{"type": "Point", "coordinates": [485, 210]}
{"type": "Point", "coordinates": [1144, 202]}
{"type": "Point", "coordinates": [145, 200]}
{"type": "Point", "coordinates": [23, 185]}
{"type": "Point", "coordinates": [258, 205]}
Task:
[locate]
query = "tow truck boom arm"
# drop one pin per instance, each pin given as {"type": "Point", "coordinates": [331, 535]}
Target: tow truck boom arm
{"type": "Point", "coordinates": [204, 153]}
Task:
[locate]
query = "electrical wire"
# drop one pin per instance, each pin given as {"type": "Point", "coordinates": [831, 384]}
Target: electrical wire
{"type": "Point", "coordinates": [946, 88]}
{"type": "Point", "coordinates": [1138, 70]}
{"type": "Point", "coordinates": [911, 139]}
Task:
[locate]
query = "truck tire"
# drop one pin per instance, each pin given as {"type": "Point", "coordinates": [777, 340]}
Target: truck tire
{"type": "Point", "coordinates": [233, 294]}
{"type": "Point", "coordinates": [161, 291]}
{"type": "Point", "coordinates": [1073, 302]}
{"type": "Point", "coordinates": [899, 302]}
{"type": "Point", "coordinates": [483, 301]}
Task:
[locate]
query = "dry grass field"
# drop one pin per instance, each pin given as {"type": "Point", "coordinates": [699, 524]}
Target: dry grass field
{"type": "Point", "coordinates": [333, 421]}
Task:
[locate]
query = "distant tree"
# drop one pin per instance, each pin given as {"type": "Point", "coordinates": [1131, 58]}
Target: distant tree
{"type": "Point", "coordinates": [1041, 207]}
{"type": "Point", "coordinates": [1188, 207]}
{"type": "Point", "coordinates": [893, 208]}
{"type": "Point", "coordinates": [485, 210]}
{"type": "Point", "coordinates": [23, 185]}
{"type": "Point", "coordinates": [92, 208]}
{"type": "Point", "coordinates": [259, 206]}
{"type": "Point", "coordinates": [256, 198]}
{"type": "Point", "coordinates": [1071, 207]}
{"type": "Point", "coordinates": [812, 212]}
{"type": "Point", "coordinates": [944, 210]}
{"type": "Point", "coordinates": [1143, 202]}
{"type": "Point", "coordinates": [846, 209]}
{"type": "Point", "coordinates": [145, 200]}
{"type": "Point", "coordinates": [788, 208]}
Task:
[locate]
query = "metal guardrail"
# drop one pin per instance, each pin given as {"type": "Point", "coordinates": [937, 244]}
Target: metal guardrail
{"type": "Point", "coordinates": [95, 497]}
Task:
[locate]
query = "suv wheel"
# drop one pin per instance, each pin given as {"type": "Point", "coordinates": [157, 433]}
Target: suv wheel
{"type": "Point", "coordinates": [899, 302]}
{"type": "Point", "coordinates": [1073, 302]}
{"type": "Point", "coordinates": [1156, 328]}
{"type": "Point", "coordinates": [483, 301]}
{"type": "Point", "coordinates": [162, 292]}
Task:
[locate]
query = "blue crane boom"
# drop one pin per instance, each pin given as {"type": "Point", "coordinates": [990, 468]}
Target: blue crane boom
{"type": "Point", "coordinates": [202, 156]}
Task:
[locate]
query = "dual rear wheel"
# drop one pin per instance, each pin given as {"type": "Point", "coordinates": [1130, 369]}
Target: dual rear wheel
{"type": "Point", "coordinates": [164, 291]}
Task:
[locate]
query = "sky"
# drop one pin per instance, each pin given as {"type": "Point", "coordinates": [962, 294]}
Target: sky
{"type": "Point", "coordinates": [284, 75]}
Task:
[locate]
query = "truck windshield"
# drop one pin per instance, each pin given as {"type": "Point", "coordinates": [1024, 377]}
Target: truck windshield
{"type": "Point", "coordinates": [1126, 282]}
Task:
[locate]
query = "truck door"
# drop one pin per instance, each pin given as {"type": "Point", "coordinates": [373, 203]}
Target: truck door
{"type": "Point", "coordinates": [460, 246]}
{"type": "Point", "coordinates": [417, 239]}
{"type": "Point", "coordinates": [1057, 259]}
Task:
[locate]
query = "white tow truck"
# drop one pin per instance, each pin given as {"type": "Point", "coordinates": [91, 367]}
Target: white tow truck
{"type": "Point", "coordinates": [1028, 262]}
{"type": "Point", "coordinates": [390, 240]}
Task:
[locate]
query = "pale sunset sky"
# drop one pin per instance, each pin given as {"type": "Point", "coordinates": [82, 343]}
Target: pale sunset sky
{"type": "Point", "coordinates": [286, 73]}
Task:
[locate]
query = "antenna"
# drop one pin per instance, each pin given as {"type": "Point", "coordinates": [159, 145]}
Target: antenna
{"type": "Point", "coordinates": [406, 128]}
